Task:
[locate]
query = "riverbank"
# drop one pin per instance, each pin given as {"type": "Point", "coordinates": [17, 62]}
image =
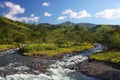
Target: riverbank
{"type": "Point", "coordinates": [15, 63]}
{"type": "Point", "coordinates": [53, 49]}
{"type": "Point", "coordinates": [12, 62]}
{"type": "Point", "coordinates": [100, 69]}
{"type": "Point", "coordinates": [42, 67]}
{"type": "Point", "coordinates": [8, 47]}
{"type": "Point", "coordinates": [108, 56]}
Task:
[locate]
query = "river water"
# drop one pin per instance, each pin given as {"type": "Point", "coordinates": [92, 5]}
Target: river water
{"type": "Point", "coordinates": [63, 69]}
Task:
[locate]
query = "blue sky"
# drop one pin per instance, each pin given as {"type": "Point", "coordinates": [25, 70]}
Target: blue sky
{"type": "Point", "coordinates": [58, 11]}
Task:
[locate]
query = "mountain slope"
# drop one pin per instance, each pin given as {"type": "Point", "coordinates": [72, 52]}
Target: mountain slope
{"type": "Point", "coordinates": [12, 31]}
{"type": "Point", "coordinates": [19, 32]}
{"type": "Point", "coordinates": [67, 23]}
{"type": "Point", "coordinates": [88, 25]}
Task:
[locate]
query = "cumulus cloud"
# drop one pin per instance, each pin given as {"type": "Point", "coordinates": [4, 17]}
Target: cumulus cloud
{"type": "Point", "coordinates": [32, 15]}
{"type": "Point", "coordinates": [27, 19]}
{"type": "Point", "coordinates": [47, 14]}
{"type": "Point", "coordinates": [109, 14]}
{"type": "Point", "coordinates": [46, 4]}
{"type": "Point", "coordinates": [76, 15]}
{"type": "Point", "coordinates": [62, 17]}
{"type": "Point", "coordinates": [15, 9]}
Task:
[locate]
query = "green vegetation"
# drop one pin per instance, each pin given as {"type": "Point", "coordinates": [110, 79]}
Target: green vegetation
{"type": "Point", "coordinates": [109, 36]}
{"type": "Point", "coordinates": [6, 47]}
{"type": "Point", "coordinates": [111, 56]}
{"type": "Point", "coordinates": [19, 32]}
{"type": "Point", "coordinates": [52, 49]}
{"type": "Point", "coordinates": [51, 39]}
{"type": "Point", "coordinates": [13, 32]}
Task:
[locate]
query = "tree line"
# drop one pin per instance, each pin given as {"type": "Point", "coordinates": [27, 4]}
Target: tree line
{"type": "Point", "coordinates": [13, 32]}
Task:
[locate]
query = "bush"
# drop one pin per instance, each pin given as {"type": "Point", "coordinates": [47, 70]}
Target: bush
{"type": "Point", "coordinates": [51, 49]}
{"type": "Point", "coordinates": [110, 56]}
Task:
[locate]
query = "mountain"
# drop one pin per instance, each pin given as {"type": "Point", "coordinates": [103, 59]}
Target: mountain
{"type": "Point", "coordinates": [67, 23]}
{"type": "Point", "coordinates": [20, 32]}
{"type": "Point", "coordinates": [88, 25]}
{"type": "Point", "coordinates": [105, 28]}
{"type": "Point", "coordinates": [12, 30]}
{"type": "Point", "coordinates": [45, 24]}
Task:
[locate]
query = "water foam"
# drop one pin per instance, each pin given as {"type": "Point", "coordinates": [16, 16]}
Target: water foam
{"type": "Point", "coordinates": [64, 69]}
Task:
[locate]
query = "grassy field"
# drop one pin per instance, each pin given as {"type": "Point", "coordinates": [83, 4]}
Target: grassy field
{"type": "Point", "coordinates": [7, 46]}
{"type": "Point", "coordinates": [52, 49]}
{"type": "Point", "coordinates": [110, 56]}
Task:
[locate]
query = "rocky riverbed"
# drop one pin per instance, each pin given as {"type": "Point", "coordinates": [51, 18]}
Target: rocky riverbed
{"type": "Point", "coordinates": [14, 66]}
{"type": "Point", "coordinates": [102, 70]}
{"type": "Point", "coordinates": [12, 63]}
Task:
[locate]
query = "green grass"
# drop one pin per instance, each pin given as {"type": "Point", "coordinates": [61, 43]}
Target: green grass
{"type": "Point", "coordinates": [110, 56]}
{"type": "Point", "coordinates": [7, 46]}
{"type": "Point", "coordinates": [52, 49]}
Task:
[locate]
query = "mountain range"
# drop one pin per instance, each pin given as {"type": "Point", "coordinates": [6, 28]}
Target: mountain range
{"type": "Point", "coordinates": [13, 30]}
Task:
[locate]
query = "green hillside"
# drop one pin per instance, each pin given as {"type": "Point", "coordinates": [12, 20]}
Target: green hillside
{"type": "Point", "coordinates": [12, 31]}
{"type": "Point", "coordinates": [20, 32]}
{"type": "Point", "coordinates": [109, 35]}
{"type": "Point", "coordinates": [61, 35]}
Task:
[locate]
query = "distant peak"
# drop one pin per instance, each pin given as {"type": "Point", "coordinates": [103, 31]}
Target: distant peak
{"type": "Point", "coordinates": [67, 23]}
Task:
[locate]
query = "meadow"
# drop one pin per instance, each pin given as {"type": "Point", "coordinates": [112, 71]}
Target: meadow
{"type": "Point", "coordinates": [53, 49]}
{"type": "Point", "coordinates": [110, 56]}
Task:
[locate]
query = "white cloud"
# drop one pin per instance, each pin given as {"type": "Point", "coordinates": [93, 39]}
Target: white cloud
{"type": "Point", "coordinates": [62, 17]}
{"type": "Point", "coordinates": [27, 19]}
{"type": "Point", "coordinates": [76, 15]}
{"type": "Point", "coordinates": [32, 15]}
{"type": "Point", "coordinates": [15, 9]}
{"type": "Point", "coordinates": [46, 4]}
{"type": "Point", "coordinates": [109, 14]}
{"type": "Point", "coordinates": [47, 14]}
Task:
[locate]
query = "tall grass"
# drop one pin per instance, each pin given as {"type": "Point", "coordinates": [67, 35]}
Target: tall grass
{"type": "Point", "coordinates": [52, 49]}
{"type": "Point", "coordinates": [110, 56]}
{"type": "Point", "coordinates": [7, 46]}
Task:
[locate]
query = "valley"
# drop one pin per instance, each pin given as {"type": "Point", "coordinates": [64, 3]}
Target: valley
{"type": "Point", "coordinates": [58, 51]}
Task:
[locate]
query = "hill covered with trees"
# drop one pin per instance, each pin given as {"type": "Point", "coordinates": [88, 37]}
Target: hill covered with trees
{"type": "Point", "coordinates": [20, 32]}
{"type": "Point", "coordinates": [66, 34]}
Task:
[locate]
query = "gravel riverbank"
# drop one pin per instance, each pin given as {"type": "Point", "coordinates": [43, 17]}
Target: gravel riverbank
{"type": "Point", "coordinates": [98, 69]}
{"type": "Point", "coordinates": [16, 63]}
{"type": "Point", "coordinates": [61, 67]}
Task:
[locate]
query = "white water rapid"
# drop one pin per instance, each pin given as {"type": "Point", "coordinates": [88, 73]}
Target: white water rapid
{"type": "Point", "coordinates": [63, 69]}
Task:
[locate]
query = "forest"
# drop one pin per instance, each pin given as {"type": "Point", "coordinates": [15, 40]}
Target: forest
{"type": "Point", "coordinates": [61, 38]}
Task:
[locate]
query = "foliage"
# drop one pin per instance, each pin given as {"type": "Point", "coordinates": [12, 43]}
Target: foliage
{"type": "Point", "coordinates": [6, 47]}
{"type": "Point", "coordinates": [52, 49]}
{"type": "Point", "coordinates": [11, 31]}
{"type": "Point", "coordinates": [62, 37]}
{"type": "Point", "coordinates": [19, 32]}
{"type": "Point", "coordinates": [110, 37]}
{"type": "Point", "coordinates": [110, 56]}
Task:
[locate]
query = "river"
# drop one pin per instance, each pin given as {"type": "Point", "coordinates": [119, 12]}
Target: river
{"type": "Point", "coordinates": [60, 69]}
